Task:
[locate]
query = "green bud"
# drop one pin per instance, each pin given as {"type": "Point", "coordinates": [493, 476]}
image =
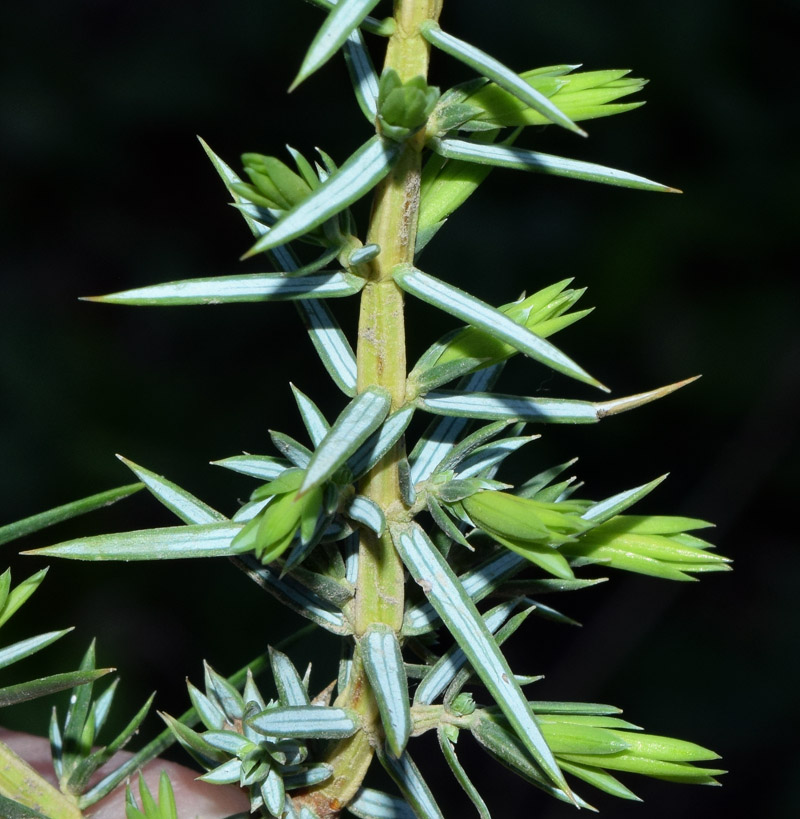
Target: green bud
{"type": "Point", "coordinates": [463, 705]}
{"type": "Point", "coordinates": [451, 732]}
{"type": "Point", "coordinates": [282, 518]}
{"type": "Point", "coordinates": [267, 188]}
{"type": "Point", "coordinates": [275, 181]}
{"type": "Point", "coordinates": [581, 96]}
{"type": "Point", "coordinates": [524, 519]}
{"type": "Point", "coordinates": [469, 349]}
{"type": "Point", "coordinates": [528, 527]}
{"type": "Point", "coordinates": [291, 186]}
{"type": "Point", "coordinates": [403, 108]}
{"type": "Point", "coordinates": [534, 312]}
{"type": "Point", "coordinates": [272, 531]}
{"type": "Point", "coordinates": [633, 543]}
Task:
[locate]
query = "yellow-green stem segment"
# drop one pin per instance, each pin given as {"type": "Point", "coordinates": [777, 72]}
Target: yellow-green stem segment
{"type": "Point", "coordinates": [381, 333]}
{"type": "Point", "coordinates": [382, 361]}
{"type": "Point", "coordinates": [20, 782]}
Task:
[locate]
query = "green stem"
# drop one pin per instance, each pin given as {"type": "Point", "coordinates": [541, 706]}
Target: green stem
{"type": "Point", "coordinates": [408, 51]}
{"type": "Point", "coordinates": [381, 332]}
{"type": "Point", "coordinates": [350, 757]}
{"type": "Point", "coordinates": [20, 782]}
{"type": "Point", "coordinates": [381, 359]}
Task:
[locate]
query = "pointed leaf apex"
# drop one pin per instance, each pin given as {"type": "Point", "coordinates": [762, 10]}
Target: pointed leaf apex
{"type": "Point", "coordinates": [490, 68]}
{"type": "Point", "coordinates": [657, 482]}
{"type": "Point", "coordinates": [344, 18]}
{"type": "Point", "coordinates": [487, 319]}
{"type": "Point", "coordinates": [629, 402]}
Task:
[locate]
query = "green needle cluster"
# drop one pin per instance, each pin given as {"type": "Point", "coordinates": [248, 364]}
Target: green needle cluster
{"type": "Point", "coordinates": [261, 745]}
{"type": "Point", "coordinates": [273, 184]}
{"type": "Point", "coordinates": [286, 514]}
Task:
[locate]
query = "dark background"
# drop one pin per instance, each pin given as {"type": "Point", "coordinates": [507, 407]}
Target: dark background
{"type": "Point", "coordinates": [105, 187]}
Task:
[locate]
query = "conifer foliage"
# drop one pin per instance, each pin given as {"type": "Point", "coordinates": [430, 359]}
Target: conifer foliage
{"type": "Point", "coordinates": [391, 526]}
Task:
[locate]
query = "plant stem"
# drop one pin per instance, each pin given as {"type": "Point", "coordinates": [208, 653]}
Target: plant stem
{"type": "Point", "coordinates": [408, 51]}
{"type": "Point", "coordinates": [381, 359]}
{"type": "Point", "coordinates": [20, 782]}
{"type": "Point", "coordinates": [350, 757]}
{"type": "Point", "coordinates": [381, 333]}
